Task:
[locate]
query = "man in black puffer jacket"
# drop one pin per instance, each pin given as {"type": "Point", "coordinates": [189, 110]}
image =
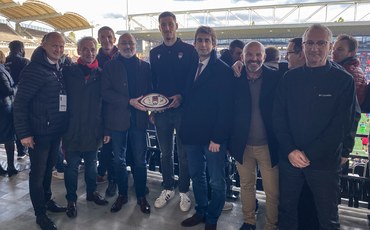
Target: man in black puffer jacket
{"type": "Point", "coordinates": [40, 118]}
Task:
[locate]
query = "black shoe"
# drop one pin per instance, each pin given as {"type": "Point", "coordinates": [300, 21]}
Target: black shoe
{"type": "Point", "coordinates": [97, 198]}
{"type": "Point", "coordinates": [3, 172]}
{"type": "Point", "coordinates": [210, 226]}
{"type": "Point", "coordinates": [246, 226]}
{"type": "Point", "coordinates": [117, 205]}
{"type": "Point", "coordinates": [54, 207]}
{"type": "Point", "coordinates": [12, 172]}
{"type": "Point", "coordinates": [71, 209]}
{"type": "Point", "coordinates": [144, 205]}
{"type": "Point", "coordinates": [192, 221]}
{"type": "Point", "coordinates": [45, 223]}
{"type": "Point", "coordinates": [111, 189]}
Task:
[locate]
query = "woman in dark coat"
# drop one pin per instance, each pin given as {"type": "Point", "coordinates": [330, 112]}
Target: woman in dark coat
{"type": "Point", "coordinates": [7, 92]}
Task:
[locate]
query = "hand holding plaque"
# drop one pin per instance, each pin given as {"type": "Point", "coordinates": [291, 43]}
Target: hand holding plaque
{"type": "Point", "coordinates": [155, 102]}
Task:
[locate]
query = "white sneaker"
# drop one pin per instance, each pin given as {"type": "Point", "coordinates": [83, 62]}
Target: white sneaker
{"type": "Point", "coordinates": [58, 175]}
{"type": "Point", "coordinates": [185, 202]}
{"type": "Point", "coordinates": [165, 196]}
{"type": "Point", "coordinates": [227, 206]}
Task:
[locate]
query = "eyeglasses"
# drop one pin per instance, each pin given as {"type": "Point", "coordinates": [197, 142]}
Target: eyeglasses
{"type": "Point", "coordinates": [320, 43]}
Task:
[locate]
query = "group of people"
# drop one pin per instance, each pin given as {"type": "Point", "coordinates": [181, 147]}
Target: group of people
{"type": "Point", "coordinates": [297, 128]}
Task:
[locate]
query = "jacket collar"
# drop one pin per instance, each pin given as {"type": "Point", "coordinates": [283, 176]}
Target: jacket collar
{"type": "Point", "coordinates": [348, 60]}
{"type": "Point", "coordinates": [320, 69]}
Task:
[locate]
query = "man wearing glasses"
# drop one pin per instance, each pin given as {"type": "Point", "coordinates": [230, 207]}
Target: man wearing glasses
{"type": "Point", "coordinates": [125, 80]}
{"type": "Point", "coordinates": [311, 118]}
{"type": "Point", "coordinates": [294, 53]}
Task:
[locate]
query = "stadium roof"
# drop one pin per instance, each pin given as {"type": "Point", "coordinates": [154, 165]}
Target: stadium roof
{"type": "Point", "coordinates": [33, 10]}
{"type": "Point", "coordinates": [259, 31]}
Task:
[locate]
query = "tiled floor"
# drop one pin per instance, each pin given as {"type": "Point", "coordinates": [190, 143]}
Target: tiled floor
{"type": "Point", "coordinates": [17, 213]}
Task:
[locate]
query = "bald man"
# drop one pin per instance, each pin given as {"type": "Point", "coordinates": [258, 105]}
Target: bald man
{"type": "Point", "coordinates": [252, 139]}
{"type": "Point", "coordinates": [40, 118]}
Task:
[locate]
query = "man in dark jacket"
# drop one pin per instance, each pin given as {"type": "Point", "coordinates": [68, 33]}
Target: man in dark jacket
{"type": "Point", "coordinates": [234, 53]}
{"type": "Point", "coordinates": [107, 52]}
{"type": "Point", "coordinates": [85, 127]}
{"type": "Point", "coordinates": [170, 63]}
{"type": "Point", "coordinates": [253, 140]}
{"type": "Point", "coordinates": [7, 92]}
{"type": "Point", "coordinates": [205, 128]}
{"type": "Point", "coordinates": [312, 117]}
{"type": "Point", "coordinates": [125, 80]}
{"type": "Point", "coordinates": [40, 118]}
{"type": "Point", "coordinates": [15, 62]}
{"type": "Point", "coordinates": [344, 53]}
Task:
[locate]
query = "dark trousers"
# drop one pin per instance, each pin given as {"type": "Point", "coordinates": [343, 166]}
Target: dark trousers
{"type": "Point", "coordinates": [307, 214]}
{"type": "Point", "coordinates": [166, 123]}
{"type": "Point", "coordinates": [138, 145]}
{"type": "Point", "coordinates": [9, 149]}
{"type": "Point", "coordinates": [71, 172]}
{"type": "Point", "coordinates": [106, 161]}
{"type": "Point", "coordinates": [325, 189]}
{"type": "Point", "coordinates": [20, 148]}
{"type": "Point", "coordinates": [201, 159]}
{"type": "Point", "coordinates": [60, 167]}
{"type": "Point", "coordinates": [43, 158]}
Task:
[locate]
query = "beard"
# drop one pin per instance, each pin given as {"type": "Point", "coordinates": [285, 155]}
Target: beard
{"type": "Point", "coordinates": [255, 67]}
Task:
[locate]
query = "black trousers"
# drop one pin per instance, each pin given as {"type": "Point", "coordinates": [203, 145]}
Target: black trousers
{"type": "Point", "coordinates": [324, 185]}
{"type": "Point", "coordinates": [43, 158]}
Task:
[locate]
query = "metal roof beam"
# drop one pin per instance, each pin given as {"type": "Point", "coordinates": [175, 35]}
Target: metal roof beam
{"type": "Point", "coordinates": [344, 10]}
{"type": "Point", "coordinates": [315, 12]}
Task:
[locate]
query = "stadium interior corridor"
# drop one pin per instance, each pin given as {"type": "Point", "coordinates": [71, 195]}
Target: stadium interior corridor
{"type": "Point", "coordinates": [17, 212]}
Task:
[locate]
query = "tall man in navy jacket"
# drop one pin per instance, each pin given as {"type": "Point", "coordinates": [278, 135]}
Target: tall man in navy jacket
{"type": "Point", "coordinates": [170, 63]}
{"type": "Point", "coordinates": [253, 140]}
{"type": "Point", "coordinates": [312, 117]}
{"type": "Point", "coordinates": [205, 127]}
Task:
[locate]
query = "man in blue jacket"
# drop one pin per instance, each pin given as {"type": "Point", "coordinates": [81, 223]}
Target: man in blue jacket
{"type": "Point", "coordinates": [205, 127]}
{"type": "Point", "coordinates": [170, 63]}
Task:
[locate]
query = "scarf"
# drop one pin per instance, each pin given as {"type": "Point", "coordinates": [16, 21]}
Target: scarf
{"type": "Point", "coordinates": [87, 68]}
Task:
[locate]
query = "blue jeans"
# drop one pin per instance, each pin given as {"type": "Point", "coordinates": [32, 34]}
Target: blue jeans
{"type": "Point", "coordinates": [73, 159]}
{"type": "Point", "coordinates": [137, 139]}
{"type": "Point", "coordinates": [201, 159]}
{"type": "Point", "coordinates": [166, 123]}
{"type": "Point", "coordinates": [43, 158]}
{"type": "Point", "coordinates": [325, 189]}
